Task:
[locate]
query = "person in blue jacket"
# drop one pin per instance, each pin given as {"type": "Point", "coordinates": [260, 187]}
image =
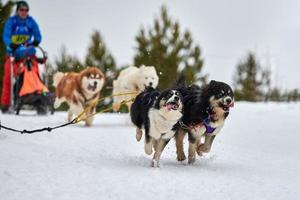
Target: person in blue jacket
{"type": "Point", "coordinates": [21, 35]}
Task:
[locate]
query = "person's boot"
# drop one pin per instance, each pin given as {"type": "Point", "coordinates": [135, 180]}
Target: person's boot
{"type": "Point", "coordinates": [6, 110]}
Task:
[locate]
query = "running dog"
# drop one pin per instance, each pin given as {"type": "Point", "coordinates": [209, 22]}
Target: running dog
{"type": "Point", "coordinates": [79, 90]}
{"type": "Point", "coordinates": [205, 111]}
{"type": "Point", "coordinates": [156, 113]}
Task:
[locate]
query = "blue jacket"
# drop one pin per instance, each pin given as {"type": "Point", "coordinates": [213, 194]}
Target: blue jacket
{"type": "Point", "coordinates": [20, 31]}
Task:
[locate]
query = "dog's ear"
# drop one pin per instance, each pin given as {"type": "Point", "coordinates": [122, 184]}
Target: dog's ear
{"type": "Point", "coordinates": [212, 82]}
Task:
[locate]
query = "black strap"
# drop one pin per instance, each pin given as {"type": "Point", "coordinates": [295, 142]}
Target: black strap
{"type": "Point", "coordinates": [49, 129]}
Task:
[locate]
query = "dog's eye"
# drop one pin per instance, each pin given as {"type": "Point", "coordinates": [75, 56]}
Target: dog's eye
{"type": "Point", "coordinates": [146, 78]}
{"type": "Point", "coordinates": [219, 95]}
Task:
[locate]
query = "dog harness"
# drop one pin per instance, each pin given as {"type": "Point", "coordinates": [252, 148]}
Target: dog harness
{"type": "Point", "coordinates": [208, 128]}
{"type": "Point", "coordinates": [206, 122]}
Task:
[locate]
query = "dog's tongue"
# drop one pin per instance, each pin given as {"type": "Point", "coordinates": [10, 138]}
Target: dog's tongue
{"type": "Point", "coordinates": [171, 106]}
{"type": "Point", "coordinates": [168, 106]}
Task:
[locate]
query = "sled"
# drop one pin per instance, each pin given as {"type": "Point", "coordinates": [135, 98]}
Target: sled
{"type": "Point", "coordinates": [28, 85]}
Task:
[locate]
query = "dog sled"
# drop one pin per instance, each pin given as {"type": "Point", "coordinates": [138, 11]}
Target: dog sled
{"type": "Point", "coordinates": [29, 84]}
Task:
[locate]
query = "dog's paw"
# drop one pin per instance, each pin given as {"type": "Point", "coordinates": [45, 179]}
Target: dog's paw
{"type": "Point", "coordinates": [56, 103]}
{"type": "Point", "coordinates": [139, 134]}
{"type": "Point", "coordinates": [116, 107]}
{"type": "Point", "coordinates": [155, 163]}
{"type": "Point", "coordinates": [89, 121]}
{"type": "Point", "coordinates": [202, 149]}
{"type": "Point", "coordinates": [191, 160]}
{"type": "Point", "coordinates": [88, 124]}
{"type": "Point", "coordinates": [181, 157]}
{"type": "Point", "coordinates": [200, 153]}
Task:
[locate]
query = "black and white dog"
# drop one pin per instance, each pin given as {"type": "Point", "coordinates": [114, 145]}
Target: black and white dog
{"type": "Point", "coordinates": [156, 113]}
{"type": "Point", "coordinates": [205, 111]}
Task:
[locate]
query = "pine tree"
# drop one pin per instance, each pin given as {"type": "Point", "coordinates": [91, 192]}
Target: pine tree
{"type": "Point", "coordinates": [275, 95]}
{"type": "Point", "coordinates": [170, 51]}
{"type": "Point", "coordinates": [5, 12]}
{"type": "Point", "coordinates": [98, 56]}
{"type": "Point", "coordinates": [250, 80]}
{"type": "Point", "coordinates": [293, 95]}
{"type": "Point", "coordinates": [64, 63]}
{"type": "Point", "coordinates": [67, 63]}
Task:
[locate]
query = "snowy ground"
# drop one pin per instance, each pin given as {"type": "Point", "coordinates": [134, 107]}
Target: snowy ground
{"type": "Point", "coordinates": [257, 156]}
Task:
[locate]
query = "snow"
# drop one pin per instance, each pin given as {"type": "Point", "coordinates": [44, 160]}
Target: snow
{"type": "Point", "coordinates": [256, 156]}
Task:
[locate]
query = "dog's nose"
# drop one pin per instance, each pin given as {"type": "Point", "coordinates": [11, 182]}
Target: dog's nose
{"type": "Point", "coordinates": [150, 83]}
{"type": "Point", "coordinates": [95, 83]}
{"type": "Point", "coordinates": [228, 100]}
{"type": "Point", "coordinates": [176, 98]}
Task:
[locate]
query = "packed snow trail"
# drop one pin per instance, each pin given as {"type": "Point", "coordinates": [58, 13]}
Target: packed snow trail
{"type": "Point", "coordinates": [256, 156]}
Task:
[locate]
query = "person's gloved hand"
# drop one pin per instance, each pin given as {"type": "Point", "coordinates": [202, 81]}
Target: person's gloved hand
{"type": "Point", "coordinates": [14, 46]}
{"type": "Point", "coordinates": [35, 43]}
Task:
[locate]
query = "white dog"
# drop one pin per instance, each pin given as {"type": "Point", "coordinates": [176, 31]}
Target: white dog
{"type": "Point", "coordinates": [133, 79]}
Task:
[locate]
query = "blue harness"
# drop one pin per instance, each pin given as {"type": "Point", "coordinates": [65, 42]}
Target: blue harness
{"type": "Point", "coordinates": [206, 123]}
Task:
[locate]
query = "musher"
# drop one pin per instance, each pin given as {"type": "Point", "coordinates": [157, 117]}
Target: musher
{"type": "Point", "coordinates": [21, 35]}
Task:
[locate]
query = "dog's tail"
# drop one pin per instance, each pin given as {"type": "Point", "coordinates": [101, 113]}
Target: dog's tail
{"type": "Point", "coordinates": [57, 78]}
